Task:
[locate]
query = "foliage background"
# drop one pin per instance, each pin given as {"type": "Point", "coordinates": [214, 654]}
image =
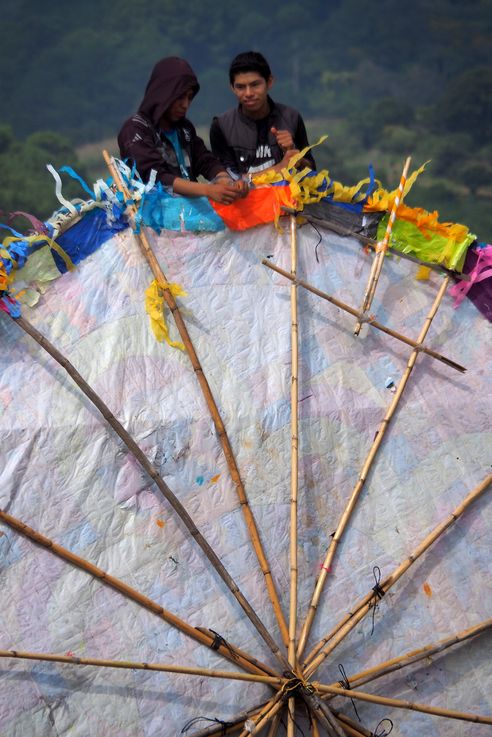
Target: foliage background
{"type": "Point", "coordinates": [383, 80]}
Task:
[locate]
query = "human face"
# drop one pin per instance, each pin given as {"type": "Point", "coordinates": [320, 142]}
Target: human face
{"type": "Point", "coordinates": [251, 90]}
{"type": "Point", "coordinates": [178, 109]}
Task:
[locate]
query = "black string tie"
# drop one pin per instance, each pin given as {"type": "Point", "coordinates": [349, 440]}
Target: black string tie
{"type": "Point", "coordinates": [298, 726]}
{"type": "Point", "coordinates": [379, 592]}
{"type": "Point", "coordinates": [194, 721]}
{"type": "Point", "coordinates": [320, 238]}
{"type": "Point", "coordinates": [385, 732]}
{"type": "Point", "coordinates": [220, 641]}
{"type": "Point", "coordinates": [344, 683]}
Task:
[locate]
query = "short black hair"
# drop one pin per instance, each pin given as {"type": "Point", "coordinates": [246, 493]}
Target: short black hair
{"type": "Point", "coordinates": [249, 61]}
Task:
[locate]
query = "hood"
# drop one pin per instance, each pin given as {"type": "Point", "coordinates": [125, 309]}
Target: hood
{"type": "Point", "coordinates": [171, 77]}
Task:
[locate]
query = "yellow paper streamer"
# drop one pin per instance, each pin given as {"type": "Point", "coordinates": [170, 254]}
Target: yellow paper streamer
{"type": "Point", "coordinates": [5, 279]}
{"type": "Point", "coordinates": [63, 254]}
{"type": "Point", "coordinates": [303, 189]}
{"type": "Point", "coordinates": [154, 305]}
{"type": "Point", "coordinates": [423, 273]}
{"type": "Point", "coordinates": [381, 200]}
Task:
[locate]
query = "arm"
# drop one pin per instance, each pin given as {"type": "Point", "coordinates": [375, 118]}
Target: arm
{"type": "Point", "coordinates": [291, 145]}
{"type": "Point", "coordinates": [222, 190]}
{"type": "Point", "coordinates": [137, 143]}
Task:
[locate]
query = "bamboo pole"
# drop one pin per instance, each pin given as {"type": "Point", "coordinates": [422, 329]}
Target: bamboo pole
{"type": "Point", "coordinates": [272, 732]}
{"type": "Point", "coordinates": [225, 728]}
{"type": "Point", "coordinates": [373, 323]}
{"type": "Point", "coordinates": [414, 656]}
{"type": "Point", "coordinates": [251, 525]}
{"type": "Point", "coordinates": [230, 726]}
{"type": "Point", "coordinates": [291, 717]}
{"type": "Point", "coordinates": [328, 644]}
{"type": "Point", "coordinates": [227, 650]}
{"type": "Point", "coordinates": [347, 727]}
{"type": "Point", "coordinates": [344, 520]}
{"type": "Point", "coordinates": [159, 667]}
{"type": "Point", "coordinates": [260, 720]}
{"type": "Point", "coordinates": [325, 717]}
{"type": "Point", "coordinates": [400, 704]}
{"type": "Point", "coordinates": [350, 731]}
{"type": "Point", "coordinates": [152, 471]}
{"type": "Point", "coordinates": [313, 702]}
{"type": "Point", "coordinates": [294, 469]}
{"type": "Point", "coordinates": [353, 729]}
{"type": "Point", "coordinates": [220, 731]}
{"type": "Point", "coordinates": [381, 249]}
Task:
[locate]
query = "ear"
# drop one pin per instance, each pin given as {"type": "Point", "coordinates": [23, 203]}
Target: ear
{"type": "Point", "coordinates": [270, 82]}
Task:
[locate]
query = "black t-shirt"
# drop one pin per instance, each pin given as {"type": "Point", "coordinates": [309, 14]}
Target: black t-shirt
{"type": "Point", "coordinates": [264, 156]}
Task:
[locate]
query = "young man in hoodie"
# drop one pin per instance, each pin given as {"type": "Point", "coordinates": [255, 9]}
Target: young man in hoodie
{"type": "Point", "coordinates": [258, 134]}
{"type": "Point", "coordinates": [160, 137]}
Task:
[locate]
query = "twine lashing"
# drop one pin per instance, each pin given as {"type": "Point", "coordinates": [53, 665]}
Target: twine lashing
{"type": "Point", "coordinates": [195, 720]}
{"type": "Point", "coordinates": [294, 684]}
{"type": "Point", "coordinates": [379, 592]}
{"type": "Point", "coordinates": [218, 641]}
{"type": "Point", "coordinates": [384, 733]}
{"type": "Point", "coordinates": [345, 683]}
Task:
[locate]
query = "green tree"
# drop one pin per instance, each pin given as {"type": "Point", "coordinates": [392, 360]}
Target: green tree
{"type": "Point", "coordinates": [26, 184]}
{"type": "Point", "coordinates": [466, 106]}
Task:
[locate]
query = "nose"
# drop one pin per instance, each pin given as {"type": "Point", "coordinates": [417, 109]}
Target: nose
{"type": "Point", "coordinates": [184, 102]}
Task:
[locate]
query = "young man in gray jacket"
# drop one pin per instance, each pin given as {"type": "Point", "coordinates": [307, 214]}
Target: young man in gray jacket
{"type": "Point", "coordinates": [258, 134]}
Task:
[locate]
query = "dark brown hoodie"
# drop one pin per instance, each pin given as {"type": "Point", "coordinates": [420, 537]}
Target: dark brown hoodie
{"type": "Point", "coordinates": [141, 141]}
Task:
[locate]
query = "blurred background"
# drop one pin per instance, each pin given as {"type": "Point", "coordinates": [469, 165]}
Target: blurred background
{"type": "Point", "coordinates": [383, 80]}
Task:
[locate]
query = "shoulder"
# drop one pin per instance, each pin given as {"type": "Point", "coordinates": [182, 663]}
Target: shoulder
{"type": "Point", "coordinates": [227, 118]}
{"type": "Point", "coordinates": [137, 121]}
{"type": "Point", "coordinates": [135, 128]}
{"type": "Point", "coordinates": [285, 111]}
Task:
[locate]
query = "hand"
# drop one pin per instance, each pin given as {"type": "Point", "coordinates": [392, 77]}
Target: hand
{"type": "Point", "coordinates": [285, 163]}
{"type": "Point", "coordinates": [223, 191]}
{"type": "Point", "coordinates": [242, 187]}
{"type": "Point", "coordinates": [284, 139]}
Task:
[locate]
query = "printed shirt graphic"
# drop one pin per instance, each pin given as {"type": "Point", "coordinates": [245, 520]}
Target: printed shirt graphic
{"type": "Point", "coordinates": [263, 156]}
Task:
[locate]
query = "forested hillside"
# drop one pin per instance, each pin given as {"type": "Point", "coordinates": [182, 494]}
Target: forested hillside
{"type": "Point", "coordinates": [382, 79]}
